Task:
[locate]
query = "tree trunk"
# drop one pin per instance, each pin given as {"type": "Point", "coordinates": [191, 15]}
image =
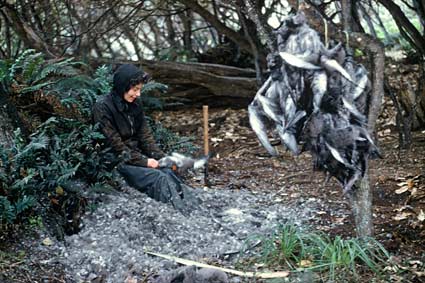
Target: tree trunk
{"type": "Point", "coordinates": [362, 208]}
{"type": "Point", "coordinates": [24, 31]}
{"type": "Point", "coordinates": [407, 29]}
{"type": "Point", "coordinates": [221, 27]}
{"type": "Point", "coordinates": [362, 196]}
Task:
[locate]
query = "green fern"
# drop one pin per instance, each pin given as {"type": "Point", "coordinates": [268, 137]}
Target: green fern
{"type": "Point", "coordinates": [7, 211]}
{"type": "Point", "coordinates": [37, 143]}
{"type": "Point", "coordinates": [4, 70]}
{"type": "Point", "coordinates": [19, 62]}
{"type": "Point", "coordinates": [152, 102]}
{"type": "Point", "coordinates": [103, 78]}
{"type": "Point", "coordinates": [64, 147]}
{"type": "Point", "coordinates": [24, 181]}
{"type": "Point", "coordinates": [32, 64]}
{"type": "Point", "coordinates": [24, 203]}
{"type": "Point", "coordinates": [67, 173]}
{"type": "Point", "coordinates": [63, 68]}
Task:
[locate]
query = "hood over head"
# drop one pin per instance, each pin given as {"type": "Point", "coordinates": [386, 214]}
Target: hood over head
{"type": "Point", "coordinates": [126, 76]}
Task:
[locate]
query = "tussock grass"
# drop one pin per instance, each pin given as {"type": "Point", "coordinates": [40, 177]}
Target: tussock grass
{"type": "Point", "coordinates": [332, 259]}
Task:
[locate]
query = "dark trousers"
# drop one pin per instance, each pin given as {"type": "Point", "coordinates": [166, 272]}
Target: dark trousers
{"type": "Point", "coordinates": [160, 184]}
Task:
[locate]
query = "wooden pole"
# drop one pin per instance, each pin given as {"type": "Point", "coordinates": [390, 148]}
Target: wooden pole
{"type": "Point", "coordinates": [206, 144]}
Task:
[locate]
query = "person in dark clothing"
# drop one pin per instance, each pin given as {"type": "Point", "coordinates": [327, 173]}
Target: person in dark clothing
{"type": "Point", "coordinates": [122, 120]}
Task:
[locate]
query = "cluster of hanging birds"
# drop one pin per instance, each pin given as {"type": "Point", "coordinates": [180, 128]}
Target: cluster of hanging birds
{"type": "Point", "coordinates": [315, 99]}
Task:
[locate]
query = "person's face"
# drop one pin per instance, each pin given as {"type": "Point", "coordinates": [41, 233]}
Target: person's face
{"type": "Point", "coordinates": [133, 93]}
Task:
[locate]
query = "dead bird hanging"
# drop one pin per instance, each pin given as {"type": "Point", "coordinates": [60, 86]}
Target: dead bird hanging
{"type": "Point", "coordinates": [315, 99]}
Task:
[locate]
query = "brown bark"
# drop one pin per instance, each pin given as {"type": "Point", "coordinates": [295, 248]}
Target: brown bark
{"type": "Point", "coordinates": [186, 18]}
{"type": "Point", "coordinates": [219, 26]}
{"type": "Point", "coordinates": [362, 196]}
{"type": "Point", "coordinates": [251, 41]}
{"type": "Point", "coordinates": [130, 35]}
{"type": "Point", "coordinates": [194, 82]}
{"type": "Point", "coordinates": [217, 80]}
{"type": "Point", "coordinates": [25, 32]}
{"type": "Point", "coordinates": [362, 208]}
{"type": "Point", "coordinates": [406, 28]}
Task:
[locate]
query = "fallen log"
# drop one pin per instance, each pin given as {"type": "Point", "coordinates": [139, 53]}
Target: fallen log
{"type": "Point", "coordinates": [200, 83]}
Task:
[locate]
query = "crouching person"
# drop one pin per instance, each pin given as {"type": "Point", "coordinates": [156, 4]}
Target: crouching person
{"type": "Point", "coordinates": [122, 120]}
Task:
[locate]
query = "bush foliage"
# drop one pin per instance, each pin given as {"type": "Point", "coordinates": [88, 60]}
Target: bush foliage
{"type": "Point", "coordinates": [62, 145]}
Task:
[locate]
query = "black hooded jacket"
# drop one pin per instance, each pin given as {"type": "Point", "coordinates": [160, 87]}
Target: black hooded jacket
{"type": "Point", "coordinates": [124, 124]}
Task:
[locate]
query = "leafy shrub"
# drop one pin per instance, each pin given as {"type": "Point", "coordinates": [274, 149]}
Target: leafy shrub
{"type": "Point", "coordinates": [63, 147]}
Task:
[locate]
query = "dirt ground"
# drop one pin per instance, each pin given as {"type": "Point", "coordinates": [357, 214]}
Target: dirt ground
{"type": "Point", "coordinates": [398, 181]}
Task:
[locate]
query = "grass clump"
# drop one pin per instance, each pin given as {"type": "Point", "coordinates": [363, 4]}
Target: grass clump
{"type": "Point", "coordinates": [332, 259]}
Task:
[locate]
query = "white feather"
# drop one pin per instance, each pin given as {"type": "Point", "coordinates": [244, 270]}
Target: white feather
{"type": "Point", "coordinates": [269, 107]}
{"type": "Point", "coordinates": [297, 62]}
{"type": "Point", "coordinates": [352, 108]}
{"type": "Point", "coordinates": [200, 163]}
{"type": "Point", "coordinates": [259, 129]}
{"type": "Point", "coordinates": [335, 153]}
{"type": "Point", "coordinates": [361, 85]}
{"type": "Point", "coordinates": [335, 66]}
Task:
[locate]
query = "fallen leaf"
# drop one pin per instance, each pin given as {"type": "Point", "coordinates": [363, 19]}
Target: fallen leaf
{"type": "Point", "coordinates": [421, 216]}
{"type": "Point", "coordinates": [382, 179]}
{"type": "Point", "coordinates": [414, 192]}
{"type": "Point", "coordinates": [47, 242]}
{"type": "Point", "coordinates": [305, 263]}
{"type": "Point", "coordinates": [402, 190]}
{"type": "Point", "coordinates": [130, 279]}
{"type": "Point", "coordinates": [410, 183]}
{"type": "Point", "coordinates": [59, 190]}
{"type": "Point", "coordinates": [402, 216]}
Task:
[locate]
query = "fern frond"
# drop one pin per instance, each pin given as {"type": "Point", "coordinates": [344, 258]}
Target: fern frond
{"type": "Point", "coordinates": [63, 68]}
{"type": "Point", "coordinates": [19, 63]}
{"type": "Point", "coordinates": [7, 211]}
{"type": "Point", "coordinates": [152, 85]}
{"type": "Point", "coordinates": [4, 70]}
{"type": "Point", "coordinates": [24, 203]}
{"type": "Point", "coordinates": [151, 103]}
{"type": "Point", "coordinates": [68, 173]}
{"type": "Point", "coordinates": [21, 183]}
{"type": "Point", "coordinates": [39, 142]}
{"type": "Point", "coordinates": [36, 87]}
{"type": "Point", "coordinates": [103, 77]}
{"type": "Point", "coordinates": [31, 66]}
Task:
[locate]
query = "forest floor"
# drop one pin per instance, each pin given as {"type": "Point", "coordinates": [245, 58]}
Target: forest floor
{"type": "Point", "coordinates": [240, 163]}
{"type": "Point", "coordinates": [397, 180]}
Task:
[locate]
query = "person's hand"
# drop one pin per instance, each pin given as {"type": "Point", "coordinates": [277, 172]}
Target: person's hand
{"type": "Point", "coordinates": [153, 163]}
